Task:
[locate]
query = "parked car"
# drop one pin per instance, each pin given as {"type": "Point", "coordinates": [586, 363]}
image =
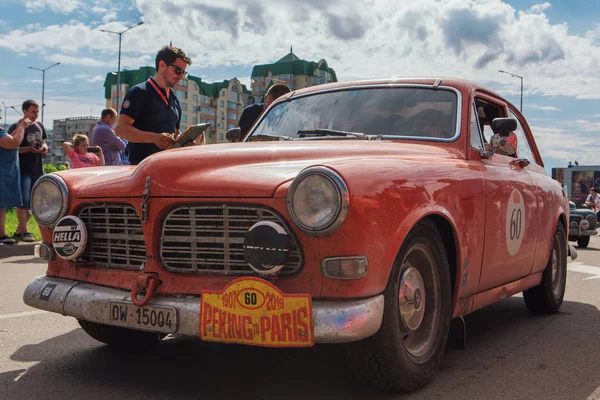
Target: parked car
{"type": "Point", "coordinates": [371, 213]}
{"type": "Point", "coordinates": [583, 224]}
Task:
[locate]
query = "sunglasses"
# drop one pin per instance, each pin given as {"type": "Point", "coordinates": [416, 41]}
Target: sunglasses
{"type": "Point", "coordinates": [178, 70]}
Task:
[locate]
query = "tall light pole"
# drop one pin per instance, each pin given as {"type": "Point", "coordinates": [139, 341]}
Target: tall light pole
{"type": "Point", "coordinates": [6, 109]}
{"type": "Point", "coordinates": [119, 64]}
{"type": "Point", "coordinates": [516, 76]}
{"type": "Point", "coordinates": [43, 84]}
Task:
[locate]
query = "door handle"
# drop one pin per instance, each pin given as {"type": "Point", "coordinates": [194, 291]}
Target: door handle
{"type": "Point", "coordinates": [521, 162]}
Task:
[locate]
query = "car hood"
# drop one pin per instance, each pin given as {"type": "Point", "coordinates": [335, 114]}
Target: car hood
{"type": "Point", "coordinates": [239, 169]}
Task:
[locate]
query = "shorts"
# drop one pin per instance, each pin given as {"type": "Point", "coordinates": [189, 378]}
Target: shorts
{"type": "Point", "coordinates": [27, 182]}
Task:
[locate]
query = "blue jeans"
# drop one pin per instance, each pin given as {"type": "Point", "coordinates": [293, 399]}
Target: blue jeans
{"type": "Point", "coordinates": [27, 182]}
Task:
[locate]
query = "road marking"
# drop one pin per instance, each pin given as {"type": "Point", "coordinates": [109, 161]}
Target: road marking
{"type": "Point", "coordinates": [584, 269]}
{"type": "Point", "coordinates": [22, 314]}
{"type": "Point", "coordinates": [595, 395]}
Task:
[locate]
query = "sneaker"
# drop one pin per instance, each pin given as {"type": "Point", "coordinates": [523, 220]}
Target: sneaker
{"type": "Point", "coordinates": [24, 237]}
{"type": "Point", "coordinates": [7, 240]}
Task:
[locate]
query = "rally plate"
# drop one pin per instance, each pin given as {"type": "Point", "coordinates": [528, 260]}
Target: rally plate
{"type": "Point", "coordinates": [150, 318]}
{"type": "Point", "coordinates": [255, 312]}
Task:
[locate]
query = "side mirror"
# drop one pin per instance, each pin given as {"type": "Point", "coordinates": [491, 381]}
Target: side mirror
{"type": "Point", "coordinates": [234, 134]}
{"type": "Point", "coordinates": [504, 125]}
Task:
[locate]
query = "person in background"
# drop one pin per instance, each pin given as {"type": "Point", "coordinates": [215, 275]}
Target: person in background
{"type": "Point", "coordinates": [150, 116]}
{"type": "Point", "coordinates": [81, 155]}
{"type": "Point", "coordinates": [10, 175]}
{"type": "Point", "coordinates": [104, 136]}
{"type": "Point", "coordinates": [31, 164]}
{"type": "Point", "coordinates": [593, 202]}
{"type": "Point", "coordinates": [251, 113]}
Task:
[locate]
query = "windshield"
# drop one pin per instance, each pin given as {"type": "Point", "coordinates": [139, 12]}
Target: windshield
{"type": "Point", "coordinates": [391, 111]}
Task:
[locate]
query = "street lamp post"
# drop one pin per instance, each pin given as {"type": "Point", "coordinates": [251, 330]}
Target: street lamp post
{"type": "Point", "coordinates": [516, 76]}
{"type": "Point", "coordinates": [43, 84]}
{"type": "Point", "coordinates": [119, 63]}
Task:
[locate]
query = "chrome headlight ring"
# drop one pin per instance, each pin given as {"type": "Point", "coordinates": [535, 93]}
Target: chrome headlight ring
{"type": "Point", "coordinates": [38, 203]}
{"type": "Point", "coordinates": [337, 212]}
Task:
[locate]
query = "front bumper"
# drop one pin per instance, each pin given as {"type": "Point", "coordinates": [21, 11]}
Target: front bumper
{"type": "Point", "coordinates": [580, 232]}
{"type": "Point", "coordinates": [334, 321]}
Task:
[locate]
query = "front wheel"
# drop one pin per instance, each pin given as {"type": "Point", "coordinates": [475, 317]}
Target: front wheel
{"type": "Point", "coordinates": [120, 337]}
{"type": "Point", "coordinates": [408, 348]}
{"type": "Point", "coordinates": [583, 241]}
{"type": "Point", "coordinates": [547, 297]}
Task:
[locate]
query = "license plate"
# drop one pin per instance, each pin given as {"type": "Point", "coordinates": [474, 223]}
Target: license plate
{"type": "Point", "coordinates": [152, 318]}
{"type": "Point", "coordinates": [255, 312]}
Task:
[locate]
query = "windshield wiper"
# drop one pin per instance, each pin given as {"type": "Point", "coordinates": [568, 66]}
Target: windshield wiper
{"type": "Point", "coordinates": [330, 132]}
{"type": "Point", "coordinates": [268, 137]}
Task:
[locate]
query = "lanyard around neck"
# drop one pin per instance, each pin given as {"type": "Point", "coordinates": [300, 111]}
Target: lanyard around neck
{"type": "Point", "coordinates": [162, 96]}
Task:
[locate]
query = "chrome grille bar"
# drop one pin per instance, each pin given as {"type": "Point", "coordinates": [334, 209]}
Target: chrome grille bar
{"type": "Point", "coordinates": [209, 239]}
{"type": "Point", "coordinates": [115, 236]}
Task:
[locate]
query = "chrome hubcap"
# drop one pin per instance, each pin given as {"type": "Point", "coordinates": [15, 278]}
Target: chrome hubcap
{"type": "Point", "coordinates": [419, 301]}
{"type": "Point", "coordinates": [558, 272]}
{"type": "Point", "coordinates": [412, 298]}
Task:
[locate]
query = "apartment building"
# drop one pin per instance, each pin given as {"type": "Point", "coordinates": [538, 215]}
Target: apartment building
{"type": "Point", "coordinates": [63, 130]}
{"type": "Point", "coordinates": [219, 104]}
{"type": "Point", "coordinates": [293, 71]}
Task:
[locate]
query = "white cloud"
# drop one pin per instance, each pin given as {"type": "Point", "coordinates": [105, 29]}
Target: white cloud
{"type": "Point", "coordinates": [56, 6]}
{"type": "Point", "coordinates": [462, 38]}
{"type": "Point", "coordinates": [64, 80]}
{"type": "Point", "coordinates": [33, 81]}
{"type": "Point", "coordinates": [109, 17]}
{"type": "Point", "coordinates": [95, 79]}
{"type": "Point", "coordinates": [537, 8]}
{"type": "Point", "coordinates": [543, 108]}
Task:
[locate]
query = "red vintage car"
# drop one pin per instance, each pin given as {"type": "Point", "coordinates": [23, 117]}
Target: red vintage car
{"type": "Point", "coordinates": [368, 213]}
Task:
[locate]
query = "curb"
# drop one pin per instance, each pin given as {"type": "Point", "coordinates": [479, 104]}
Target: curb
{"type": "Point", "coordinates": [19, 249]}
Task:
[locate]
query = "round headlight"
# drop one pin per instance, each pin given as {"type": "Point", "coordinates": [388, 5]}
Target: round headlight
{"type": "Point", "coordinates": [591, 219]}
{"type": "Point", "coordinates": [584, 224]}
{"type": "Point", "coordinates": [49, 200]}
{"type": "Point", "coordinates": [318, 201]}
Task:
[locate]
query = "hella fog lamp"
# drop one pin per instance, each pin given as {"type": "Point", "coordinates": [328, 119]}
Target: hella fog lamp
{"type": "Point", "coordinates": [49, 200]}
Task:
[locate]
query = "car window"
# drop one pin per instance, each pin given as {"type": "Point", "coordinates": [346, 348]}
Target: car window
{"type": "Point", "coordinates": [396, 111]}
{"type": "Point", "coordinates": [523, 148]}
{"type": "Point", "coordinates": [476, 141]}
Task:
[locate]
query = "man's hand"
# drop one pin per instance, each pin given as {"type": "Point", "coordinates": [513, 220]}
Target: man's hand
{"type": "Point", "coordinates": [164, 140]}
{"type": "Point", "coordinates": [36, 150]}
{"type": "Point", "coordinates": [25, 123]}
{"type": "Point", "coordinates": [44, 149]}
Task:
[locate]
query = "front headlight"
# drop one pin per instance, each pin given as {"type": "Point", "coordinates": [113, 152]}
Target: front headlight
{"type": "Point", "coordinates": [318, 201]}
{"type": "Point", "coordinates": [49, 200]}
{"type": "Point", "coordinates": [591, 219]}
{"type": "Point", "coordinates": [584, 224]}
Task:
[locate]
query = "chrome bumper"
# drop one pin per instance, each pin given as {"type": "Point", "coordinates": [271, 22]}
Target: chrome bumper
{"type": "Point", "coordinates": [334, 321]}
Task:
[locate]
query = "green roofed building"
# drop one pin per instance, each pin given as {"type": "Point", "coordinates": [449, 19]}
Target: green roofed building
{"type": "Point", "coordinates": [219, 103]}
{"type": "Point", "coordinates": [293, 71]}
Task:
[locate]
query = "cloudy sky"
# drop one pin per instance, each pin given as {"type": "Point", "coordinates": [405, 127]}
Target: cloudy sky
{"type": "Point", "coordinates": [554, 45]}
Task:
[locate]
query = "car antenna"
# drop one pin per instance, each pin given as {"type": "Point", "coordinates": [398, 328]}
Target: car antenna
{"type": "Point", "coordinates": [436, 84]}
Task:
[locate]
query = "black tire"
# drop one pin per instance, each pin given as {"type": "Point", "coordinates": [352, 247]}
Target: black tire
{"type": "Point", "coordinates": [583, 241]}
{"type": "Point", "coordinates": [391, 358]}
{"type": "Point", "coordinates": [122, 338]}
{"type": "Point", "coordinates": [547, 297]}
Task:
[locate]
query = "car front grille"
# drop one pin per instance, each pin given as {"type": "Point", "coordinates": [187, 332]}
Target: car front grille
{"type": "Point", "coordinates": [210, 238]}
{"type": "Point", "coordinates": [115, 236]}
{"type": "Point", "coordinates": [575, 218]}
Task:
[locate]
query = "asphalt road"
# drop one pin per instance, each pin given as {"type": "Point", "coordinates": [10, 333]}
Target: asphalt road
{"type": "Point", "coordinates": [510, 355]}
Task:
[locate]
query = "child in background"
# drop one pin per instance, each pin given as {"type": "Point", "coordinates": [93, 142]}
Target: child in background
{"type": "Point", "coordinates": [81, 155]}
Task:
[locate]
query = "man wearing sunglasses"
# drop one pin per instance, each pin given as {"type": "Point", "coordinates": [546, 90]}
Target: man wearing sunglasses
{"type": "Point", "coordinates": [150, 114]}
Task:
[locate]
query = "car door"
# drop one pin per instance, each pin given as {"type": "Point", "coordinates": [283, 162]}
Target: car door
{"type": "Point", "coordinates": [510, 216]}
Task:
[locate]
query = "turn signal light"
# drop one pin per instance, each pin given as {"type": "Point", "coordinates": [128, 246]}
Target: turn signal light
{"type": "Point", "coordinates": [345, 267]}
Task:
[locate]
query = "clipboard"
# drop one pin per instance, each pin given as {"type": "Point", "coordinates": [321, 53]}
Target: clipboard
{"type": "Point", "coordinates": [189, 135]}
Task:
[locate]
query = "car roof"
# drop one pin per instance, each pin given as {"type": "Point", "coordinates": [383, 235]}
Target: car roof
{"type": "Point", "coordinates": [461, 84]}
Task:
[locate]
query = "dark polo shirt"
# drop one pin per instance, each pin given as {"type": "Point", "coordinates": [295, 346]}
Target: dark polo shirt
{"type": "Point", "coordinates": [151, 114]}
{"type": "Point", "coordinates": [249, 116]}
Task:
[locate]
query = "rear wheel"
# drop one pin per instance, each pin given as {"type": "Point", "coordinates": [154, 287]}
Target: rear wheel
{"type": "Point", "coordinates": [120, 337]}
{"type": "Point", "coordinates": [547, 297]}
{"type": "Point", "coordinates": [583, 241]}
{"type": "Point", "coordinates": [408, 348]}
